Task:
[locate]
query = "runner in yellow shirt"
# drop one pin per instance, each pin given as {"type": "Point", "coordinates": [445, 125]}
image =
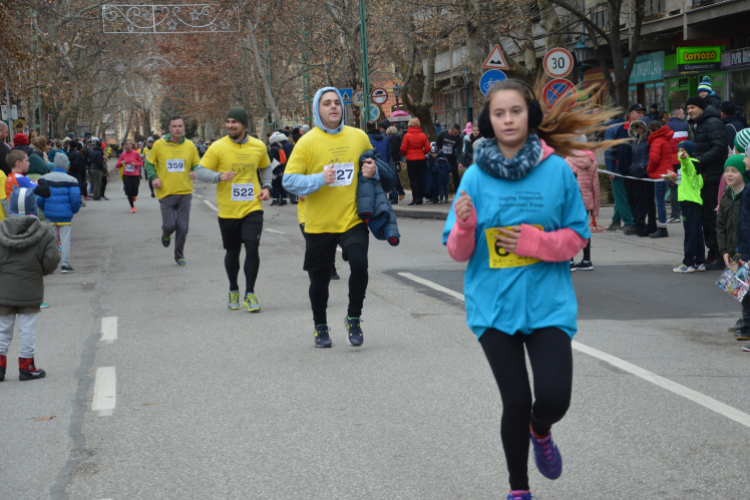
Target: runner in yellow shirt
{"type": "Point", "coordinates": [168, 165]}
{"type": "Point", "coordinates": [233, 162]}
{"type": "Point", "coordinates": [4, 205]}
{"type": "Point", "coordinates": [323, 167]}
{"type": "Point", "coordinates": [145, 150]}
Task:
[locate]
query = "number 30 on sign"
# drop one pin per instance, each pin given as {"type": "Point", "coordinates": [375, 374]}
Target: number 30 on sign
{"type": "Point", "coordinates": [558, 63]}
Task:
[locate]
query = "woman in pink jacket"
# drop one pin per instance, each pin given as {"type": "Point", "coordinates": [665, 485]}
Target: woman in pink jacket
{"type": "Point", "coordinates": [131, 162]}
{"type": "Point", "coordinates": [583, 164]}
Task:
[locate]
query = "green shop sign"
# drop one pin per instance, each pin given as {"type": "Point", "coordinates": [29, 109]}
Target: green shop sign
{"type": "Point", "coordinates": [698, 58]}
{"type": "Point", "coordinates": [647, 67]}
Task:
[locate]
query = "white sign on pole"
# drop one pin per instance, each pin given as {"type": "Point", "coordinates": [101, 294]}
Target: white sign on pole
{"type": "Point", "coordinates": [379, 95]}
{"type": "Point", "coordinates": [358, 99]}
{"type": "Point", "coordinates": [495, 60]}
{"type": "Point", "coordinates": [558, 62]}
{"type": "Point", "coordinates": [14, 112]}
{"type": "Point", "coordinates": [5, 114]}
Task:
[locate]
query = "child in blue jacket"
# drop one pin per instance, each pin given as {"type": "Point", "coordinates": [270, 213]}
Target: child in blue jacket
{"type": "Point", "coordinates": [59, 208]}
{"type": "Point", "coordinates": [441, 172]}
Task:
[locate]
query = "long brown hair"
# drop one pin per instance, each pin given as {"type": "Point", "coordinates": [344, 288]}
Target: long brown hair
{"type": "Point", "coordinates": [567, 119]}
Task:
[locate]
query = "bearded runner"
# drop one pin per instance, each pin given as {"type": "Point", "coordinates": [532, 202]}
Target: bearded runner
{"type": "Point", "coordinates": [239, 164]}
{"type": "Point", "coordinates": [168, 165]}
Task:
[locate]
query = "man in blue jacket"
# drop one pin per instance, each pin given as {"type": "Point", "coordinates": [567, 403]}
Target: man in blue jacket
{"type": "Point", "coordinates": [623, 158]}
{"type": "Point", "coordinates": [622, 213]}
{"type": "Point", "coordinates": [378, 140]}
{"type": "Point", "coordinates": [59, 208]}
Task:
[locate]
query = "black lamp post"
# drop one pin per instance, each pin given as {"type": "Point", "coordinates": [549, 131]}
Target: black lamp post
{"type": "Point", "coordinates": [581, 52]}
{"type": "Point", "coordinates": [396, 94]}
{"type": "Point", "coordinates": [467, 81]}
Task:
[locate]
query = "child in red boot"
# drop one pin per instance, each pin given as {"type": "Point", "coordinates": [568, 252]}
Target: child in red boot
{"type": "Point", "coordinates": [28, 252]}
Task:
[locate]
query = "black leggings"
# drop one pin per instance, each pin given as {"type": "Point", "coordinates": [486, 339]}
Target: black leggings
{"type": "Point", "coordinates": [320, 279]}
{"type": "Point", "coordinates": [552, 365]}
{"type": "Point", "coordinates": [252, 265]}
{"type": "Point", "coordinates": [131, 183]}
{"type": "Point", "coordinates": [416, 170]}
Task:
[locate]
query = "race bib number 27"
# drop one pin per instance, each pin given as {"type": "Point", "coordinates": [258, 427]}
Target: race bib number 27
{"type": "Point", "coordinates": [174, 166]}
{"type": "Point", "coordinates": [344, 174]}
{"type": "Point", "coordinates": [243, 192]}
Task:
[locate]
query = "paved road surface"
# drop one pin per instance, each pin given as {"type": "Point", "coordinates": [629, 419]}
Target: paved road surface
{"type": "Point", "coordinates": [213, 404]}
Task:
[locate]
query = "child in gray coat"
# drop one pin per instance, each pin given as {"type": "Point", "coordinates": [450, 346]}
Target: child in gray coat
{"type": "Point", "coordinates": [28, 252]}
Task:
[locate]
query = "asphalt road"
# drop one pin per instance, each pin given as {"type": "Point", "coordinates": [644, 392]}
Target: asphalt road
{"type": "Point", "coordinates": [215, 404]}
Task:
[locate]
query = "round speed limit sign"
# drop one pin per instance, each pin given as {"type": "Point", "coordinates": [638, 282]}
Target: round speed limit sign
{"type": "Point", "coordinates": [558, 63]}
{"type": "Point", "coordinates": [358, 99]}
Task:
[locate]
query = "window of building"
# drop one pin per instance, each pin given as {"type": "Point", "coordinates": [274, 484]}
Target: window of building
{"type": "Point", "coordinates": [599, 15]}
{"type": "Point", "coordinates": [738, 83]}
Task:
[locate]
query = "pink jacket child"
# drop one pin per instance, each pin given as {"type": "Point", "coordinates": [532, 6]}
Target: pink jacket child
{"type": "Point", "coordinates": [132, 162]}
{"type": "Point", "coordinates": [584, 166]}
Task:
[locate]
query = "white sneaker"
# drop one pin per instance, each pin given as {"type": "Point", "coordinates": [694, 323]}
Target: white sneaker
{"type": "Point", "coordinates": [700, 268]}
{"type": "Point", "coordinates": [683, 269]}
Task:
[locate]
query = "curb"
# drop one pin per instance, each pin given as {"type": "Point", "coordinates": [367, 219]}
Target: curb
{"type": "Point", "coordinates": [420, 214]}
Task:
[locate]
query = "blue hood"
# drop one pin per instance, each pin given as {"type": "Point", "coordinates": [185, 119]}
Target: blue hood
{"type": "Point", "coordinates": [316, 112]}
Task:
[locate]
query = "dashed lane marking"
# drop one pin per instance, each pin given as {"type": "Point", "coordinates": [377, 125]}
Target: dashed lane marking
{"type": "Point", "coordinates": [105, 391]}
{"type": "Point", "coordinates": [109, 329]}
{"type": "Point", "coordinates": [679, 389]}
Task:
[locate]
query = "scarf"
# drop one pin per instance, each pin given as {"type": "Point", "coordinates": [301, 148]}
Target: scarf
{"type": "Point", "coordinates": [488, 157]}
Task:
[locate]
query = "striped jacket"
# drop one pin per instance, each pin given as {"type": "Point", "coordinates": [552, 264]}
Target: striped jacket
{"type": "Point", "coordinates": [680, 129]}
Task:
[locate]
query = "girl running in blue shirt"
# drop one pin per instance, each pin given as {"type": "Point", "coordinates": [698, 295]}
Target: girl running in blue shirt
{"type": "Point", "coordinates": [519, 220]}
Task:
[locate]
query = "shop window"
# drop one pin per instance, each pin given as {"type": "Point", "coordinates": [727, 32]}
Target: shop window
{"type": "Point", "coordinates": [739, 90]}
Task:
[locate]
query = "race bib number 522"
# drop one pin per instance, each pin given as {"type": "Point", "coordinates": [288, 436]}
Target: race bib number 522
{"type": "Point", "coordinates": [344, 174]}
{"type": "Point", "coordinates": [174, 166]}
{"type": "Point", "coordinates": [243, 192]}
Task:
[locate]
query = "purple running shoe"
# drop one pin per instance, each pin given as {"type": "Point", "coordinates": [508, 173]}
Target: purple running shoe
{"type": "Point", "coordinates": [548, 458]}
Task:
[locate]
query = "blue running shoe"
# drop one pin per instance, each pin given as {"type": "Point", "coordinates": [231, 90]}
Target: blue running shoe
{"type": "Point", "coordinates": [322, 337]}
{"type": "Point", "coordinates": [354, 329]}
{"type": "Point", "coordinates": [165, 240]}
{"type": "Point", "coordinates": [181, 262]}
{"type": "Point", "coordinates": [548, 458]}
{"type": "Point", "coordinates": [520, 495]}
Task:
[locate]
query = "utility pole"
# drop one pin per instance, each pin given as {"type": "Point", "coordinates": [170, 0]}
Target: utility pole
{"type": "Point", "coordinates": [36, 101]}
{"type": "Point", "coordinates": [365, 69]}
{"type": "Point", "coordinates": [306, 90]}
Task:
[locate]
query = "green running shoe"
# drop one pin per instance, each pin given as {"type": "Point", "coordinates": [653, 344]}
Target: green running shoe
{"type": "Point", "coordinates": [234, 301]}
{"type": "Point", "coordinates": [181, 262]}
{"type": "Point", "coordinates": [165, 240]}
{"type": "Point", "coordinates": [251, 302]}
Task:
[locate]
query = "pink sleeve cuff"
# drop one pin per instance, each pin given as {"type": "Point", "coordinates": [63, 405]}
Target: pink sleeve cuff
{"type": "Point", "coordinates": [554, 246]}
{"type": "Point", "coordinates": [461, 242]}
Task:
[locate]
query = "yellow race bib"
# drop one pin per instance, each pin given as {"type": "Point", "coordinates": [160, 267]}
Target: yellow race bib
{"type": "Point", "coordinates": [499, 258]}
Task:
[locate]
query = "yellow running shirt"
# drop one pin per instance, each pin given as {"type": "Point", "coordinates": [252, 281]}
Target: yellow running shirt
{"type": "Point", "coordinates": [301, 212]}
{"type": "Point", "coordinates": [238, 198]}
{"type": "Point", "coordinates": [332, 209]}
{"type": "Point", "coordinates": [2, 193]}
{"type": "Point", "coordinates": [173, 163]}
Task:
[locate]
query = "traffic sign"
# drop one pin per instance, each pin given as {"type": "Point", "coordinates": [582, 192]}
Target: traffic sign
{"type": "Point", "coordinates": [379, 95]}
{"type": "Point", "coordinates": [19, 125]}
{"type": "Point", "coordinates": [358, 99]}
{"type": "Point", "coordinates": [489, 78]}
{"type": "Point", "coordinates": [346, 95]}
{"type": "Point", "coordinates": [558, 63]}
{"type": "Point", "coordinates": [495, 60]}
{"type": "Point", "coordinates": [374, 112]}
{"type": "Point", "coordinates": [557, 88]}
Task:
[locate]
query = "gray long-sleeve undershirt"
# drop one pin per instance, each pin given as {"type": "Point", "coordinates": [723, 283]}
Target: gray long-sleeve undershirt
{"type": "Point", "coordinates": [211, 177]}
{"type": "Point", "coordinates": [5, 206]}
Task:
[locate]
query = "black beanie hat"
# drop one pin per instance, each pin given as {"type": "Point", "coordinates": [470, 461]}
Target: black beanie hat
{"type": "Point", "coordinates": [238, 113]}
{"type": "Point", "coordinates": [728, 108]}
{"type": "Point", "coordinates": [696, 100]}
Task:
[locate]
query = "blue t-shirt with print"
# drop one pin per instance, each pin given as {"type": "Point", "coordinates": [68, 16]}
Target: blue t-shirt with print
{"type": "Point", "coordinates": [531, 296]}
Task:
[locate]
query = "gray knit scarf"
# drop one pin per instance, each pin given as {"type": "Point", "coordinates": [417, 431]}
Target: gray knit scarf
{"type": "Point", "coordinates": [490, 159]}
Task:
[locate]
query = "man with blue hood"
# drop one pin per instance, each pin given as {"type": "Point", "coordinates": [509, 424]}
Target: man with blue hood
{"type": "Point", "coordinates": [324, 168]}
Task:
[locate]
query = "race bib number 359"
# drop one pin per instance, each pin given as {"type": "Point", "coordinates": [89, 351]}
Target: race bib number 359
{"type": "Point", "coordinates": [174, 166]}
{"type": "Point", "coordinates": [243, 192]}
{"type": "Point", "coordinates": [344, 174]}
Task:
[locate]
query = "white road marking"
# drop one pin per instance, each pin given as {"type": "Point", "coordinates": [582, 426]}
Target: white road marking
{"type": "Point", "coordinates": [211, 205]}
{"type": "Point", "coordinates": [273, 231]}
{"type": "Point", "coordinates": [109, 329]}
{"type": "Point", "coordinates": [679, 389]}
{"type": "Point", "coordinates": [105, 391]}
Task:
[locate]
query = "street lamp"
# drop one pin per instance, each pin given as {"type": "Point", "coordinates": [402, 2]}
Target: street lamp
{"type": "Point", "coordinates": [396, 94]}
{"type": "Point", "coordinates": [581, 51]}
{"type": "Point", "coordinates": [467, 80]}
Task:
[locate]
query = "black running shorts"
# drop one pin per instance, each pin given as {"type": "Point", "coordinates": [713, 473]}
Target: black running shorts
{"type": "Point", "coordinates": [235, 232]}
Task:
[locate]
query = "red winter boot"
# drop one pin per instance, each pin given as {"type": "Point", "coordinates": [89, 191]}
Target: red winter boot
{"type": "Point", "coordinates": [27, 370]}
{"type": "Point", "coordinates": [3, 367]}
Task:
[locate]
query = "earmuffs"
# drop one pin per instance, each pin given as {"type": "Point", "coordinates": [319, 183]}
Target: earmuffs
{"type": "Point", "coordinates": [535, 115]}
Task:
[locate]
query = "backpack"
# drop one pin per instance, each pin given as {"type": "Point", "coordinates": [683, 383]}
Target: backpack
{"type": "Point", "coordinates": [282, 156]}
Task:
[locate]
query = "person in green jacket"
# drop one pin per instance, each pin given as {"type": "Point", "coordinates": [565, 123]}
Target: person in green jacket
{"type": "Point", "coordinates": [689, 197]}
